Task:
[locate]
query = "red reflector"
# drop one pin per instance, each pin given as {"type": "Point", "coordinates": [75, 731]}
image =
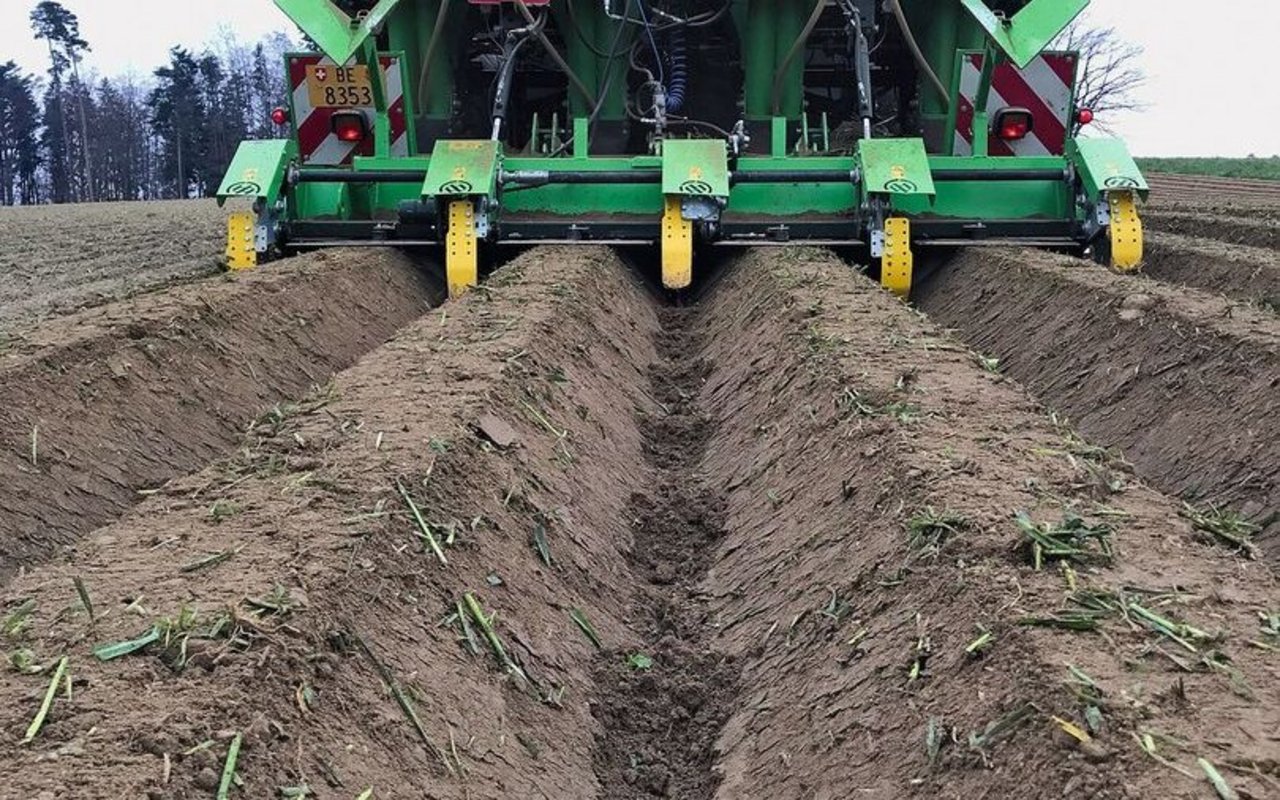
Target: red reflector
{"type": "Point", "coordinates": [349, 126]}
{"type": "Point", "coordinates": [1013, 130]}
{"type": "Point", "coordinates": [1084, 116]}
{"type": "Point", "coordinates": [1012, 124]}
{"type": "Point", "coordinates": [279, 116]}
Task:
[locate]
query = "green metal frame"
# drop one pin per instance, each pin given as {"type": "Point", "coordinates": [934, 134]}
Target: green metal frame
{"type": "Point", "coordinates": [893, 175]}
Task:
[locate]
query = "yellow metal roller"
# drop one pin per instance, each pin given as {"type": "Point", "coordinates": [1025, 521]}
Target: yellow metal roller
{"type": "Point", "coordinates": [241, 253]}
{"type": "Point", "coordinates": [462, 252]}
{"type": "Point", "coordinates": [896, 261]}
{"type": "Point", "coordinates": [677, 246]}
{"type": "Point", "coordinates": [1125, 232]}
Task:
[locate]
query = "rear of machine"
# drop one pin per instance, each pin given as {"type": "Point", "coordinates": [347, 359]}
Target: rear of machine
{"type": "Point", "coordinates": [683, 124]}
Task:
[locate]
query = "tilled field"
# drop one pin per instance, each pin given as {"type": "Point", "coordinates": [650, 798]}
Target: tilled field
{"type": "Point", "coordinates": [563, 539]}
{"type": "Point", "coordinates": [56, 259]}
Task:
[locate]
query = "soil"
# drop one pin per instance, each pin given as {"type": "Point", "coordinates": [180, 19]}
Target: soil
{"type": "Point", "coordinates": [1251, 274]}
{"type": "Point", "coordinates": [843, 417]}
{"type": "Point", "coordinates": [101, 405]}
{"type": "Point", "coordinates": [1249, 231]}
{"type": "Point", "coordinates": [662, 706]}
{"type": "Point", "coordinates": [56, 259]}
{"type": "Point", "coordinates": [1236, 196]}
{"type": "Point", "coordinates": [1182, 383]}
{"type": "Point", "coordinates": [560, 539]}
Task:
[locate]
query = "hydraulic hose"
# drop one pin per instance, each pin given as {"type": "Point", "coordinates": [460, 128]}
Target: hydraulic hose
{"type": "Point", "coordinates": [502, 90]}
{"type": "Point", "coordinates": [917, 54]}
{"type": "Point", "coordinates": [791, 54]}
{"type": "Point", "coordinates": [431, 51]}
{"type": "Point", "coordinates": [555, 55]}
{"type": "Point", "coordinates": [677, 61]}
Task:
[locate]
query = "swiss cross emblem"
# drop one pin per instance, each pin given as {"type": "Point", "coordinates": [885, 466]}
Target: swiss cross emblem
{"type": "Point", "coordinates": [321, 74]}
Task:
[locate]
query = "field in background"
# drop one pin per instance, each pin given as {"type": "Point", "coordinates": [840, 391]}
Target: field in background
{"type": "Point", "coordinates": [1259, 168]}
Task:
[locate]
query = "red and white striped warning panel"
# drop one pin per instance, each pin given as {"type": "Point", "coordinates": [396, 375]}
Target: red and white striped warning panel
{"type": "Point", "coordinates": [1045, 87]}
{"type": "Point", "coordinates": [320, 87]}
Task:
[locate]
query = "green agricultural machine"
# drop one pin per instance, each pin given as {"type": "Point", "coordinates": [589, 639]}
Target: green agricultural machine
{"type": "Point", "coordinates": [889, 125]}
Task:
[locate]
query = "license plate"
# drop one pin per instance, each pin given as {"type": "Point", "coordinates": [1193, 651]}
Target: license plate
{"type": "Point", "coordinates": [339, 87]}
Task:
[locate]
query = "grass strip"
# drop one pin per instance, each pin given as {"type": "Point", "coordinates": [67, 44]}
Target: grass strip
{"type": "Point", "coordinates": [38, 722]}
{"type": "Point", "coordinates": [402, 700]}
{"type": "Point", "coordinates": [85, 600]}
{"type": "Point", "coordinates": [580, 618]}
{"type": "Point", "coordinates": [491, 636]}
{"type": "Point", "coordinates": [1220, 784]}
{"type": "Point", "coordinates": [424, 530]}
{"type": "Point", "coordinates": [229, 768]}
{"type": "Point", "coordinates": [540, 543]}
{"type": "Point", "coordinates": [1072, 539]}
{"type": "Point", "coordinates": [1225, 526]}
{"type": "Point", "coordinates": [208, 561]}
{"type": "Point", "coordinates": [107, 652]}
{"type": "Point", "coordinates": [1179, 632]}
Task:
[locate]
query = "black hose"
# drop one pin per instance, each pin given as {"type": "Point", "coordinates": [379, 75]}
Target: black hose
{"type": "Point", "coordinates": [791, 54]}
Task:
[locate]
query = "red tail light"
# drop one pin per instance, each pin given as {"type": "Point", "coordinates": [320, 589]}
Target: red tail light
{"type": "Point", "coordinates": [1012, 124]}
{"type": "Point", "coordinates": [279, 116]}
{"type": "Point", "coordinates": [349, 126]}
{"type": "Point", "coordinates": [1084, 116]}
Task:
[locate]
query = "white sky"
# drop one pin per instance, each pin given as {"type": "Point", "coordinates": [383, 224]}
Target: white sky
{"type": "Point", "coordinates": [1212, 83]}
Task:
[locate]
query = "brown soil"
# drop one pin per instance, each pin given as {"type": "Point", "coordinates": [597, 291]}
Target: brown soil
{"type": "Point", "coordinates": [1250, 231]}
{"type": "Point", "coordinates": [96, 406]}
{"type": "Point", "coordinates": [1203, 191]}
{"type": "Point", "coordinates": [842, 417]}
{"type": "Point", "coordinates": [660, 718]}
{"type": "Point", "coordinates": [1183, 383]}
{"type": "Point", "coordinates": [55, 259]}
{"type": "Point", "coordinates": [1250, 274]}
{"type": "Point", "coordinates": [721, 496]}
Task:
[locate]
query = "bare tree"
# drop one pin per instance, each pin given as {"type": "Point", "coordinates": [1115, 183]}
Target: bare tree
{"type": "Point", "coordinates": [1109, 77]}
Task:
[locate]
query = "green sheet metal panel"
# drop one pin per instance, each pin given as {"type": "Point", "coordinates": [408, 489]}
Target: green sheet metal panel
{"type": "Point", "coordinates": [894, 166]}
{"type": "Point", "coordinates": [332, 30]}
{"type": "Point", "coordinates": [695, 167]}
{"type": "Point", "coordinates": [1105, 165]}
{"type": "Point", "coordinates": [320, 201]}
{"type": "Point", "coordinates": [1030, 30]}
{"type": "Point", "coordinates": [257, 170]}
{"type": "Point", "coordinates": [462, 167]}
{"type": "Point", "coordinates": [990, 199]}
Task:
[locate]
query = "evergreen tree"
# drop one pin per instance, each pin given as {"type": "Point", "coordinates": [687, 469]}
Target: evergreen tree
{"type": "Point", "coordinates": [60, 29]}
{"type": "Point", "coordinates": [19, 142]}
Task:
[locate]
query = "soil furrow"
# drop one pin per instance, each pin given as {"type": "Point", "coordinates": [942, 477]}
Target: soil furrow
{"type": "Point", "coordinates": [1182, 383]}
{"type": "Point", "coordinates": [1249, 274]}
{"type": "Point", "coordinates": [555, 540]}
{"type": "Point", "coordinates": [1231, 228]}
{"type": "Point", "coordinates": [294, 585]}
{"type": "Point", "coordinates": [100, 405]}
{"type": "Point", "coordinates": [876, 589]}
{"type": "Point", "coordinates": [661, 707]}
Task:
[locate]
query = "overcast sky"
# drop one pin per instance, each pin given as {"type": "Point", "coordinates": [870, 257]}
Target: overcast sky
{"type": "Point", "coordinates": [1211, 87]}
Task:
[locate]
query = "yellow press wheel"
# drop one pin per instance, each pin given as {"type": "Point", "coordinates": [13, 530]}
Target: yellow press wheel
{"type": "Point", "coordinates": [461, 248]}
{"type": "Point", "coordinates": [241, 253]}
{"type": "Point", "coordinates": [1124, 235]}
{"type": "Point", "coordinates": [677, 245]}
{"type": "Point", "coordinates": [896, 261]}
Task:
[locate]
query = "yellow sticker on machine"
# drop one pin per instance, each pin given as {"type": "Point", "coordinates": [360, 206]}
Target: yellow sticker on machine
{"type": "Point", "coordinates": [339, 87]}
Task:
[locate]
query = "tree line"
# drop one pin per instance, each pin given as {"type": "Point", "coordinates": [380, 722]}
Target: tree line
{"type": "Point", "coordinates": [72, 136]}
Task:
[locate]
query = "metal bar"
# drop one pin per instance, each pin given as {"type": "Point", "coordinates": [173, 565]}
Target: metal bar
{"type": "Point", "coordinates": [999, 175]}
{"type": "Point", "coordinates": [545, 177]}
{"type": "Point", "coordinates": [792, 176]}
{"type": "Point", "coordinates": [361, 176]}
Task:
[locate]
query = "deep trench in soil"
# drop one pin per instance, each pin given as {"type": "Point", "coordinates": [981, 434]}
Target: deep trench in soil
{"type": "Point", "coordinates": [661, 707]}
